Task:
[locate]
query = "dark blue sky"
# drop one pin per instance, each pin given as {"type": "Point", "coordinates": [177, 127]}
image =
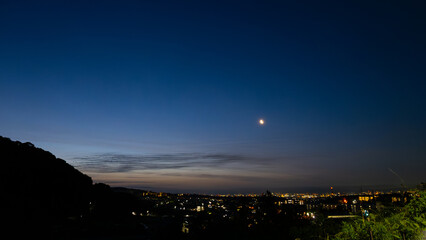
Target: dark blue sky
{"type": "Point", "coordinates": [166, 95]}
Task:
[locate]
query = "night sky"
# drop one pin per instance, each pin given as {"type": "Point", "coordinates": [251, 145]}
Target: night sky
{"type": "Point", "coordinates": [167, 96]}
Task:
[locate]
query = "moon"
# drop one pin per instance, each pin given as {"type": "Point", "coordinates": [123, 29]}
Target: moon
{"type": "Point", "coordinates": [261, 121]}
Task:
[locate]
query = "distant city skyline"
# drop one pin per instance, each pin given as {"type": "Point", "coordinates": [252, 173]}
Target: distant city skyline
{"type": "Point", "coordinates": [169, 96]}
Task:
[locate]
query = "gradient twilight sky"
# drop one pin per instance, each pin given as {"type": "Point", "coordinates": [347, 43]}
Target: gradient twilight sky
{"type": "Point", "coordinates": [167, 95]}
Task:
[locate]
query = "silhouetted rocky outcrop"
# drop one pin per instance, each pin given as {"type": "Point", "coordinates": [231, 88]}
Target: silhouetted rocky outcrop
{"type": "Point", "coordinates": [38, 188]}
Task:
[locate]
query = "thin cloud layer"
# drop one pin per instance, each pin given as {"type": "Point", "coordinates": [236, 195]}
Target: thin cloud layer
{"type": "Point", "coordinates": [113, 162]}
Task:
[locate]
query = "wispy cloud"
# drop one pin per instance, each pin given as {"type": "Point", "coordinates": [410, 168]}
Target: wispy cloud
{"type": "Point", "coordinates": [114, 162]}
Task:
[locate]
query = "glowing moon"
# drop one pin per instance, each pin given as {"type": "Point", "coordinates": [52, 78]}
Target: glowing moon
{"type": "Point", "coordinates": [261, 121]}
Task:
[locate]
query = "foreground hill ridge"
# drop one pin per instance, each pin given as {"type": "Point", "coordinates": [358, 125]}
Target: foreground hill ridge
{"type": "Point", "coordinates": [38, 185]}
{"type": "Point", "coordinates": [17, 154]}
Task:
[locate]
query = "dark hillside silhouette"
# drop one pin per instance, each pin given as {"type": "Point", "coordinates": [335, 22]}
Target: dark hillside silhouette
{"type": "Point", "coordinates": [38, 188]}
{"type": "Point", "coordinates": [43, 196]}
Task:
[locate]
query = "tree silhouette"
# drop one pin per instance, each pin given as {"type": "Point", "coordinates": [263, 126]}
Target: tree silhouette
{"type": "Point", "coordinates": [39, 189]}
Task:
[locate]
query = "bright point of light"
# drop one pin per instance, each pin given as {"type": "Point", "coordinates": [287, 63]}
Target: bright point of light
{"type": "Point", "coordinates": [261, 121]}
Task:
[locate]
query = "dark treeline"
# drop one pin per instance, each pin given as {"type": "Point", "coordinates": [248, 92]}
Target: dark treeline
{"type": "Point", "coordinates": [37, 187]}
